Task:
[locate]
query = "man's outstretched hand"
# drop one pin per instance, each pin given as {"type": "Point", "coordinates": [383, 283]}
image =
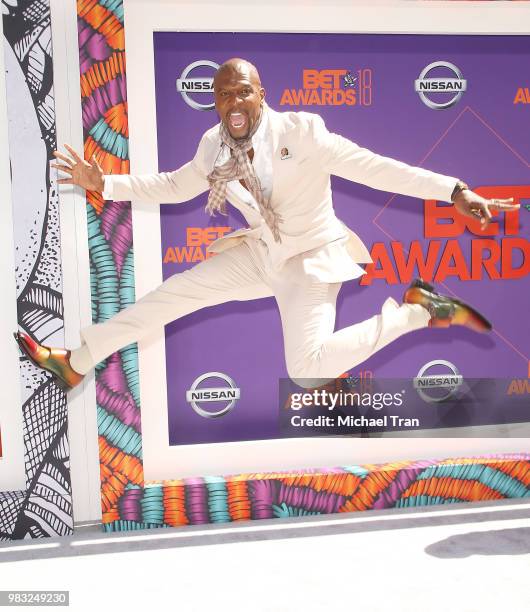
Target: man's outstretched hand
{"type": "Point", "coordinates": [88, 175]}
{"type": "Point", "coordinates": [470, 204]}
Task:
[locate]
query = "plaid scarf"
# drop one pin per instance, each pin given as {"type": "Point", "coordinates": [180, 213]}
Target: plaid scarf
{"type": "Point", "coordinates": [238, 167]}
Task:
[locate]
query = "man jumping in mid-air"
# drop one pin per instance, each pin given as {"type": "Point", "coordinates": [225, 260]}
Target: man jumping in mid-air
{"type": "Point", "coordinates": [275, 168]}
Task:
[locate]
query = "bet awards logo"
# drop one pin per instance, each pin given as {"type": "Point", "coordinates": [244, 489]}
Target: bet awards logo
{"type": "Point", "coordinates": [440, 386]}
{"type": "Point", "coordinates": [440, 87]}
{"type": "Point", "coordinates": [199, 86]}
{"type": "Point", "coordinates": [197, 395]}
{"type": "Point", "coordinates": [331, 87]}
{"type": "Point", "coordinates": [198, 239]}
{"type": "Point", "coordinates": [502, 251]}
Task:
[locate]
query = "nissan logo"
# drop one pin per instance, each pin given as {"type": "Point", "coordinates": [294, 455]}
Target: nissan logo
{"type": "Point", "coordinates": [197, 85]}
{"type": "Point", "coordinates": [454, 86]}
{"type": "Point", "coordinates": [197, 395]}
{"type": "Point", "coordinates": [448, 381]}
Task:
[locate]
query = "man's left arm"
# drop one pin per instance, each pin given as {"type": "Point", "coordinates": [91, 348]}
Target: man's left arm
{"type": "Point", "coordinates": [342, 157]}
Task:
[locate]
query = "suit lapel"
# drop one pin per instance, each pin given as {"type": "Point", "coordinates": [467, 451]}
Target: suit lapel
{"type": "Point", "coordinates": [276, 129]}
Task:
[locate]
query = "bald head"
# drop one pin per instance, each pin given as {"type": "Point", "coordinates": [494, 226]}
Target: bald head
{"type": "Point", "coordinates": [238, 96]}
{"type": "Point", "coordinates": [238, 64]}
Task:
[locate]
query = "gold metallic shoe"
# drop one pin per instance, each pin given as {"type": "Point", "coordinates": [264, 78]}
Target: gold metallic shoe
{"type": "Point", "coordinates": [445, 311]}
{"type": "Point", "coordinates": [54, 360]}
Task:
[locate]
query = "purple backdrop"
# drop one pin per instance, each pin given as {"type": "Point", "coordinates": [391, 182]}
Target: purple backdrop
{"type": "Point", "coordinates": [483, 139]}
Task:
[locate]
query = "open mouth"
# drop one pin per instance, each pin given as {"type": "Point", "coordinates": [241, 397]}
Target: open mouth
{"type": "Point", "coordinates": [237, 120]}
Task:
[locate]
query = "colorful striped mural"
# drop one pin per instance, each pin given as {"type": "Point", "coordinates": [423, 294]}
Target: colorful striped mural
{"type": "Point", "coordinates": [216, 499]}
{"type": "Point", "coordinates": [127, 501]}
{"type": "Point", "coordinates": [105, 131]}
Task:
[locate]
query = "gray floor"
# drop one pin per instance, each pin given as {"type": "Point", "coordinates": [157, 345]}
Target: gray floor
{"type": "Point", "coordinates": [461, 557]}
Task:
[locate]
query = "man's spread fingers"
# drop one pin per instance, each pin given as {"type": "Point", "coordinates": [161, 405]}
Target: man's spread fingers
{"type": "Point", "coordinates": [66, 169]}
{"type": "Point", "coordinates": [64, 158]}
{"type": "Point", "coordinates": [73, 153]}
{"type": "Point", "coordinates": [500, 205]}
{"type": "Point", "coordinates": [65, 181]}
{"type": "Point", "coordinates": [484, 222]}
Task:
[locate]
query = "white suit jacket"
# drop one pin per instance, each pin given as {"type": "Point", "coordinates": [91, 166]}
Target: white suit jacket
{"type": "Point", "coordinates": [314, 242]}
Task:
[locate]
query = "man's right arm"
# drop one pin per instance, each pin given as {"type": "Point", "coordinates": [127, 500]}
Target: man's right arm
{"type": "Point", "coordinates": [164, 187]}
{"type": "Point", "coordinates": [179, 185]}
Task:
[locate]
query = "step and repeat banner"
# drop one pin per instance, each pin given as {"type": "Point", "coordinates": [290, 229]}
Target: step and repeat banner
{"type": "Point", "coordinates": [457, 105]}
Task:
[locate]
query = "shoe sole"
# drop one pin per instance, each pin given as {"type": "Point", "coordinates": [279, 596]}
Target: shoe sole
{"type": "Point", "coordinates": [58, 381]}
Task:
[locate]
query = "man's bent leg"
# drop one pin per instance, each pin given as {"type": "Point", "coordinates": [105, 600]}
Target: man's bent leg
{"type": "Point", "coordinates": [232, 275]}
{"type": "Point", "coordinates": [314, 351]}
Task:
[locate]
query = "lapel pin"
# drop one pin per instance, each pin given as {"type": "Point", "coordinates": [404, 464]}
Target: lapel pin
{"type": "Point", "coordinates": [284, 153]}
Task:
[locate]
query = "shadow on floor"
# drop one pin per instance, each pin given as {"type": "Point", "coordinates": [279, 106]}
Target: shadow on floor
{"type": "Point", "coordinates": [493, 542]}
{"type": "Point", "coordinates": [89, 539]}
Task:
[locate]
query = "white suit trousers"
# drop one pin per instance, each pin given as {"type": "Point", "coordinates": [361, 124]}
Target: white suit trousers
{"type": "Point", "coordinates": [313, 350]}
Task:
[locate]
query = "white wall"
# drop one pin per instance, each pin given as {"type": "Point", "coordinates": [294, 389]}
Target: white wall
{"type": "Point", "coordinates": [82, 427]}
{"type": "Point", "coordinates": [141, 17]}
